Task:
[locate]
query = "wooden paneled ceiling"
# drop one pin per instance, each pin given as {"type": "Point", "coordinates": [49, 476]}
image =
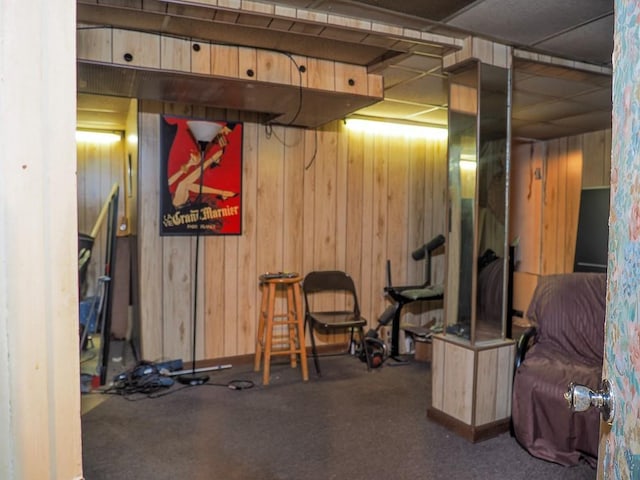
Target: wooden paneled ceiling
{"type": "Point", "coordinates": [549, 100]}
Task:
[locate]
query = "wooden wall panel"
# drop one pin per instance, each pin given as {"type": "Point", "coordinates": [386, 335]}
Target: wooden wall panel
{"type": "Point", "coordinates": [367, 281]}
{"type": "Point", "coordinates": [354, 204]}
{"type": "Point", "coordinates": [247, 291]}
{"type": "Point", "coordinates": [572, 200]}
{"type": "Point", "coordinates": [596, 158]}
{"type": "Point", "coordinates": [525, 214]}
{"type": "Point", "coordinates": [397, 206]}
{"type": "Point", "coordinates": [150, 271]}
{"type": "Point", "coordinates": [547, 178]}
{"type": "Point", "coordinates": [380, 216]}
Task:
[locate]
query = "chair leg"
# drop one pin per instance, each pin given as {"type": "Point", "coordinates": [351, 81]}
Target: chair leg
{"type": "Point", "coordinates": [367, 352]}
{"type": "Point", "coordinates": [314, 352]}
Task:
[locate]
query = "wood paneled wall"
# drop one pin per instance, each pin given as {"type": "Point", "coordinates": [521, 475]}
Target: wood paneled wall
{"type": "Point", "coordinates": [312, 199]}
{"type": "Point", "coordinates": [329, 198]}
{"type": "Point", "coordinates": [547, 178]}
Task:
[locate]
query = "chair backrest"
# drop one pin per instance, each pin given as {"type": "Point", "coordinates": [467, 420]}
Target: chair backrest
{"type": "Point", "coordinates": [569, 311]}
{"type": "Point", "coordinates": [335, 281]}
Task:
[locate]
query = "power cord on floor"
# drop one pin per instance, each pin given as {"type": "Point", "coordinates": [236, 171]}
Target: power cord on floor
{"type": "Point", "coordinates": [135, 395]}
{"type": "Point", "coordinates": [145, 381]}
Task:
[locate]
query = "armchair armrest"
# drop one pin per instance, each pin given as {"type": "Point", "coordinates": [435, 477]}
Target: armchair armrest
{"type": "Point", "coordinates": [524, 342]}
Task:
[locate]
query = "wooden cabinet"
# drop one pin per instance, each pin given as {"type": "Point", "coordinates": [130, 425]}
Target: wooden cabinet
{"type": "Point", "coordinates": [471, 391]}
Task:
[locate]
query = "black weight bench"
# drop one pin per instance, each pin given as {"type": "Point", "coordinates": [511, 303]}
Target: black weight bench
{"type": "Point", "coordinates": [405, 294]}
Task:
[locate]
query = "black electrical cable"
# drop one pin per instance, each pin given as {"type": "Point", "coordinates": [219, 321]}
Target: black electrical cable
{"type": "Point", "coordinates": [149, 389]}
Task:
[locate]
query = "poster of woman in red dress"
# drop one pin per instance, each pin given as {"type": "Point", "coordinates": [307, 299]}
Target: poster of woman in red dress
{"type": "Point", "coordinates": [204, 193]}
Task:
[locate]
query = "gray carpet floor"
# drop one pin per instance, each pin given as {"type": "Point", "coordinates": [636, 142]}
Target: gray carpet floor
{"type": "Point", "coordinates": [349, 424]}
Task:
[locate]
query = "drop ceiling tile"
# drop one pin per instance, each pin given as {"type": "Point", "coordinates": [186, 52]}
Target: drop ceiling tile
{"type": "Point", "coordinates": [429, 10]}
{"type": "Point", "coordinates": [373, 12]}
{"type": "Point", "coordinates": [526, 68]}
{"type": "Point", "coordinates": [429, 89]}
{"type": "Point", "coordinates": [528, 22]}
{"type": "Point", "coordinates": [394, 76]}
{"type": "Point", "coordinates": [421, 63]}
{"type": "Point", "coordinates": [575, 43]}
{"type": "Point", "coordinates": [551, 111]}
{"type": "Point", "coordinates": [554, 87]}
{"type": "Point", "coordinates": [600, 98]}
{"type": "Point", "coordinates": [521, 99]}
{"type": "Point", "coordinates": [391, 109]}
{"type": "Point", "coordinates": [541, 131]}
{"type": "Point", "coordinates": [587, 122]}
{"type": "Point", "coordinates": [437, 116]}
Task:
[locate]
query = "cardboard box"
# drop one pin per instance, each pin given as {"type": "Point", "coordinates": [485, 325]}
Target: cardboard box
{"type": "Point", "coordinates": [422, 351]}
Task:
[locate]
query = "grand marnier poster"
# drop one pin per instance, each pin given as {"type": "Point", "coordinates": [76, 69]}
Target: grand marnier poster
{"type": "Point", "coordinates": [218, 201]}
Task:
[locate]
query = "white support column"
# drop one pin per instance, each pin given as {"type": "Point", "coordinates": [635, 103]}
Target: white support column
{"type": "Point", "coordinates": [39, 378]}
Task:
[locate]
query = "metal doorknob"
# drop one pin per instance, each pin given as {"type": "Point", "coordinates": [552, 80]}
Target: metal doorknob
{"type": "Point", "coordinates": [581, 398]}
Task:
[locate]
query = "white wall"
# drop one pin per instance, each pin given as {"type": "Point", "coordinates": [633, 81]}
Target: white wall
{"type": "Point", "coordinates": [39, 377]}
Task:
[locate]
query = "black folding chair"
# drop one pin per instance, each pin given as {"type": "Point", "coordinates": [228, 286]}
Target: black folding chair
{"type": "Point", "coordinates": [317, 283]}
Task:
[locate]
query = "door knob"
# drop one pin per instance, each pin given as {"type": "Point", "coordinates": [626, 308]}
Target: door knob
{"type": "Point", "coordinates": [581, 398]}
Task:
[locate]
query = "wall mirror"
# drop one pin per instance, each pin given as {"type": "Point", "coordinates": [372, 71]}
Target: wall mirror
{"type": "Point", "coordinates": [478, 203]}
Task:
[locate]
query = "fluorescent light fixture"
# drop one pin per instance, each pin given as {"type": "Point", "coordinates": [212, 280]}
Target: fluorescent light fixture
{"type": "Point", "coordinates": [468, 165]}
{"type": "Point", "coordinates": [97, 136]}
{"type": "Point", "coordinates": [395, 129]}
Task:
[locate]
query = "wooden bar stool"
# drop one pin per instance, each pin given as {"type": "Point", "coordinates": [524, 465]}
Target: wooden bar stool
{"type": "Point", "coordinates": [292, 342]}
